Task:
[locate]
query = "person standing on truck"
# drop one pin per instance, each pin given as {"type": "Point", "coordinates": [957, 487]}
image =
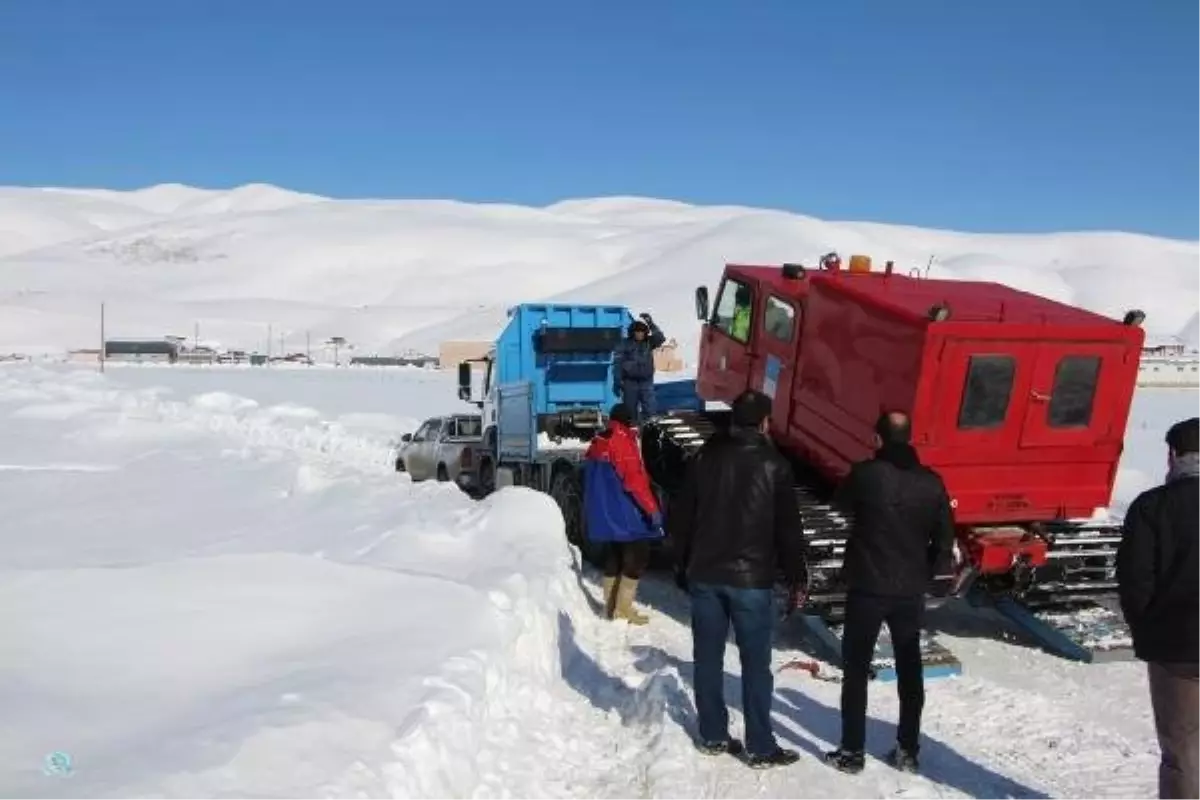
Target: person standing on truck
{"type": "Point", "coordinates": [620, 508]}
{"type": "Point", "coordinates": [1157, 568]}
{"type": "Point", "coordinates": [902, 540]}
{"type": "Point", "coordinates": [633, 367]}
{"type": "Point", "coordinates": [736, 522]}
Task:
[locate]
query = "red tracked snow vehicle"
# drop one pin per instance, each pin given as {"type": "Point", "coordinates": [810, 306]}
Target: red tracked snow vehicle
{"type": "Point", "coordinates": [1018, 401]}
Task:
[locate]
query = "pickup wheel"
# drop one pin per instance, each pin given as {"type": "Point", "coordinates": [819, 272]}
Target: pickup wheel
{"type": "Point", "coordinates": [443, 474]}
{"type": "Point", "coordinates": [568, 494]}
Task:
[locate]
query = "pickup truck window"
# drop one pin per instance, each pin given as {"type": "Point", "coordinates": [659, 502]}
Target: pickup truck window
{"type": "Point", "coordinates": [427, 430]}
{"type": "Point", "coordinates": [466, 427]}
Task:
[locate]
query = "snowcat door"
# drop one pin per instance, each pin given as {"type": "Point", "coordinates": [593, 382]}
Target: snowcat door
{"type": "Point", "coordinates": [725, 368]}
{"type": "Point", "coordinates": [774, 360]}
{"type": "Point", "coordinates": [979, 408]}
{"type": "Point", "coordinates": [1072, 395]}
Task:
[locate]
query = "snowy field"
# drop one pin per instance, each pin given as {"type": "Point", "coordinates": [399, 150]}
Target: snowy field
{"type": "Point", "coordinates": [394, 274]}
{"type": "Point", "coordinates": [215, 585]}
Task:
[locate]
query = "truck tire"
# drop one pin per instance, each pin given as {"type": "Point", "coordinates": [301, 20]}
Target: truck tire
{"type": "Point", "coordinates": [567, 492]}
{"type": "Point", "coordinates": [487, 477]}
{"type": "Point", "coordinates": [443, 474]}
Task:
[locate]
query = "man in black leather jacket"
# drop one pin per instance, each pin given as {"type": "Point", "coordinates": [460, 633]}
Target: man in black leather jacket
{"type": "Point", "coordinates": [902, 539]}
{"type": "Point", "coordinates": [735, 523]}
{"type": "Point", "coordinates": [1157, 567]}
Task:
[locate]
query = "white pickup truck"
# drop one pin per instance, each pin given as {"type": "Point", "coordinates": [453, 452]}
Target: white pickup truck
{"type": "Point", "coordinates": [436, 449]}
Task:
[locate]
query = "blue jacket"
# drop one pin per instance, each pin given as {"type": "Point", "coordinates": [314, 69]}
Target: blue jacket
{"type": "Point", "coordinates": [617, 498]}
{"type": "Point", "coordinates": [634, 360]}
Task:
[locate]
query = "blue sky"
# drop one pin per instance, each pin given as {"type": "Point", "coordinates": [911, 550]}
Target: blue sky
{"type": "Point", "coordinates": [989, 115]}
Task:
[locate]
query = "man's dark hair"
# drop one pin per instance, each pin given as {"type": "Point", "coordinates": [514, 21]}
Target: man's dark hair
{"type": "Point", "coordinates": [894, 427]}
{"type": "Point", "coordinates": [750, 408]}
{"type": "Point", "coordinates": [1184, 436]}
{"type": "Point", "coordinates": [621, 413]}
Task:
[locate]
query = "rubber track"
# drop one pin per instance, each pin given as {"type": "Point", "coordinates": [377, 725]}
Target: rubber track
{"type": "Point", "coordinates": [826, 529]}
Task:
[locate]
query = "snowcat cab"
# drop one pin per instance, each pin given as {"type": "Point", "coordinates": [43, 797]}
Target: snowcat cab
{"type": "Point", "coordinates": [1018, 401]}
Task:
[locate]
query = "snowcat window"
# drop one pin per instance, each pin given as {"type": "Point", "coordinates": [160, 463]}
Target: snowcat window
{"type": "Point", "coordinates": [732, 315]}
{"type": "Point", "coordinates": [987, 391]}
{"type": "Point", "coordinates": [780, 319]}
{"type": "Point", "coordinates": [1073, 392]}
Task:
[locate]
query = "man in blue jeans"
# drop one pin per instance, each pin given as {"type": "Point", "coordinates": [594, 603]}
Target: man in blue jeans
{"type": "Point", "coordinates": [733, 526]}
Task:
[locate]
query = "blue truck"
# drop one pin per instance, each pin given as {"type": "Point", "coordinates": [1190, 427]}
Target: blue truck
{"type": "Point", "coordinates": [545, 390]}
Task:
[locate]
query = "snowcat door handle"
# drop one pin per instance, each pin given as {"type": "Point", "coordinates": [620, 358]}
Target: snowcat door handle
{"type": "Point", "coordinates": [1038, 397]}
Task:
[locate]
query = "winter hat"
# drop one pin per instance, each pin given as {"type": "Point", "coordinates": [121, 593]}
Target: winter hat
{"type": "Point", "coordinates": [639, 325]}
{"type": "Point", "coordinates": [1184, 436]}
{"type": "Point", "coordinates": [621, 413]}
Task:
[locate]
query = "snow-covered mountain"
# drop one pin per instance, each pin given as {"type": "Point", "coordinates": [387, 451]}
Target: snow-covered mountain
{"type": "Point", "coordinates": [396, 274]}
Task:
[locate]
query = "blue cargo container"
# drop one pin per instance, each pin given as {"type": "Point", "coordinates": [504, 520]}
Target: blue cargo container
{"type": "Point", "coordinates": [547, 389]}
{"type": "Point", "coordinates": [553, 374]}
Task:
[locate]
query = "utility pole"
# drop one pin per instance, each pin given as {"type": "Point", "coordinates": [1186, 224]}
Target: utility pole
{"type": "Point", "coordinates": [269, 340]}
{"type": "Point", "coordinates": [308, 345]}
{"type": "Point", "coordinates": [103, 347]}
{"type": "Point", "coordinates": [196, 337]}
{"type": "Point", "coordinates": [282, 351]}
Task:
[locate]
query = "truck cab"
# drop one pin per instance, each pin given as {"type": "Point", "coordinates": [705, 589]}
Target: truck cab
{"type": "Point", "coordinates": [750, 335]}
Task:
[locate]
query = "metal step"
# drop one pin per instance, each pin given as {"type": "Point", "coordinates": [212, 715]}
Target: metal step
{"type": "Point", "coordinates": [936, 660]}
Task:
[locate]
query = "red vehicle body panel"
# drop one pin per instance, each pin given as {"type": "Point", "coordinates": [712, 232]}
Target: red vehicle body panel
{"type": "Point", "coordinates": [1012, 445]}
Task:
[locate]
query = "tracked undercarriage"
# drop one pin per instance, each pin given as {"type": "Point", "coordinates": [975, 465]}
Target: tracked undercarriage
{"type": "Point", "coordinates": [1070, 594]}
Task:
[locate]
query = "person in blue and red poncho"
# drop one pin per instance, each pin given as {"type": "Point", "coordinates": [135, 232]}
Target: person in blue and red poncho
{"type": "Point", "coordinates": [621, 510]}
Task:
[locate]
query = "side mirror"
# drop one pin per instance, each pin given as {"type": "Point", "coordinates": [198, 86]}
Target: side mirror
{"type": "Point", "coordinates": [702, 303]}
{"type": "Point", "coordinates": [464, 381]}
{"type": "Point", "coordinates": [406, 437]}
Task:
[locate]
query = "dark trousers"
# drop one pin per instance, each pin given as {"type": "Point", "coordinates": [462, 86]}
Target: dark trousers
{"type": "Point", "coordinates": [750, 611]}
{"type": "Point", "coordinates": [639, 396]}
{"type": "Point", "coordinates": [865, 615]}
{"type": "Point", "coordinates": [627, 559]}
{"type": "Point", "coordinates": [1173, 694]}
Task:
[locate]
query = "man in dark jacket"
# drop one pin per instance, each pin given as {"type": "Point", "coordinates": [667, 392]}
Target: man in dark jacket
{"type": "Point", "coordinates": [902, 538]}
{"type": "Point", "coordinates": [734, 524]}
{"type": "Point", "coordinates": [633, 367]}
{"type": "Point", "coordinates": [1157, 570]}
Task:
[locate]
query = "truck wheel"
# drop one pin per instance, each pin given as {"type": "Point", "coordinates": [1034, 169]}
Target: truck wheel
{"type": "Point", "coordinates": [487, 477]}
{"type": "Point", "coordinates": [568, 494]}
{"type": "Point", "coordinates": [443, 474]}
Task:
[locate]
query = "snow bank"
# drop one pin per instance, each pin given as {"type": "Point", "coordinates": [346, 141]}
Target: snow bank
{"type": "Point", "coordinates": [240, 601]}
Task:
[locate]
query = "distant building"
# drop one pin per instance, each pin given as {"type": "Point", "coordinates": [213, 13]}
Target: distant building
{"type": "Point", "coordinates": [85, 356]}
{"type": "Point", "coordinates": [450, 353]}
{"type": "Point", "coordinates": [1168, 363]}
{"type": "Point", "coordinates": [394, 361]}
{"type": "Point", "coordinates": [666, 358]}
{"type": "Point", "coordinates": [198, 355]}
{"type": "Point", "coordinates": [159, 351]}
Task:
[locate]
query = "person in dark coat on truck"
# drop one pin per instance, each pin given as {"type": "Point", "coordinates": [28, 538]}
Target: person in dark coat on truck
{"type": "Point", "coordinates": [633, 367]}
{"type": "Point", "coordinates": [620, 508]}
{"type": "Point", "coordinates": [1157, 579]}
{"type": "Point", "coordinates": [901, 541]}
{"type": "Point", "coordinates": [735, 524]}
